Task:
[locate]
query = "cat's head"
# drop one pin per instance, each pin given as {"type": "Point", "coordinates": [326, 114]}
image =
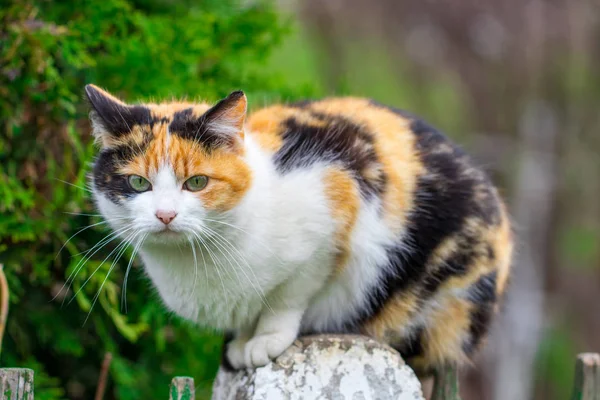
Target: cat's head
{"type": "Point", "coordinates": [165, 171]}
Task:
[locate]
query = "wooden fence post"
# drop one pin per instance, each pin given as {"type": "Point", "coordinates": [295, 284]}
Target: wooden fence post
{"type": "Point", "coordinates": [16, 384]}
{"type": "Point", "coordinates": [103, 376]}
{"type": "Point", "coordinates": [445, 386]}
{"type": "Point", "coordinates": [587, 377]}
{"type": "Point", "coordinates": [182, 388]}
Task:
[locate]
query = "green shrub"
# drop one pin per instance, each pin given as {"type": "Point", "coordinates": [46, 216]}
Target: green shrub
{"type": "Point", "coordinates": [137, 49]}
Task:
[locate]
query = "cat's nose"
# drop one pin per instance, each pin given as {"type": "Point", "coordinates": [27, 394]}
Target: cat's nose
{"type": "Point", "coordinates": [166, 216]}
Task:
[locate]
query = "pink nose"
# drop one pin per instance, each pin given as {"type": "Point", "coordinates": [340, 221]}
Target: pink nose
{"type": "Point", "coordinates": [166, 216]}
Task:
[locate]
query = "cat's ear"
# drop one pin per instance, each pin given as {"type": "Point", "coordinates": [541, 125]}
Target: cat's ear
{"type": "Point", "coordinates": [111, 118]}
{"type": "Point", "coordinates": [227, 118]}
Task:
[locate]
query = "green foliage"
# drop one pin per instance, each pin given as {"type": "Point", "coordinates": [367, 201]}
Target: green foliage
{"type": "Point", "coordinates": [580, 245]}
{"type": "Point", "coordinates": [137, 49]}
{"type": "Point", "coordinates": [556, 361]}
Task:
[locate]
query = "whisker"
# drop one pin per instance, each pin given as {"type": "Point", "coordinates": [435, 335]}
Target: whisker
{"type": "Point", "coordinates": [203, 261]}
{"type": "Point", "coordinates": [112, 266]}
{"type": "Point", "coordinates": [124, 291]}
{"type": "Point", "coordinates": [94, 215]}
{"type": "Point", "coordinates": [195, 269]}
{"type": "Point", "coordinates": [74, 185]}
{"type": "Point", "coordinates": [120, 248]}
{"type": "Point", "coordinates": [107, 239]}
{"type": "Point", "coordinates": [112, 234]}
{"type": "Point", "coordinates": [218, 258]}
{"type": "Point", "coordinates": [243, 231]}
{"type": "Point", "coordinates": [226, 259]}
{"type": "Point", "coordinates": [259, 292]}
{"type": "Point", "coordinates": [215, 264]}
{"type": "Point", "coordinates": [77, 233]}
{"type": "Point", "coordinates": [87, 256]}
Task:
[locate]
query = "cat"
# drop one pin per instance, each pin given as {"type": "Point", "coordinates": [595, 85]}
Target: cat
{"type": "Point", "coordinates": [339, 215]}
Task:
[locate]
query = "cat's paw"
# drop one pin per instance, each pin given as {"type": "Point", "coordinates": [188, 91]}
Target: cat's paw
{"type": "Point", "coordinates": [236, 353]}
{"type": "Point", "coordinates": [260, 350]}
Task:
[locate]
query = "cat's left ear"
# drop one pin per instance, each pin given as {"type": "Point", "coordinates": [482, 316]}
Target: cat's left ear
{"type": "Point", "coordinates": [227, 118]}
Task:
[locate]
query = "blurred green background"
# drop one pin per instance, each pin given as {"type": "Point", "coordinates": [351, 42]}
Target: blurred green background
{"type": "Point", "coordinates": [515, 82]}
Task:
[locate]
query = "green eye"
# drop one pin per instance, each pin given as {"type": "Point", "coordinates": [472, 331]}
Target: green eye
{"type": "Point", "coordinates": [138, 183]}
{"type": "Point", "coordinates": [196, 183]}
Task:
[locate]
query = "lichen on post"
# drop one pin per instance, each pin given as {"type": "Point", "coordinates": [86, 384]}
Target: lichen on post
{"type": "Point", "coordinates": [182, 388]}
{"type": "Point", "coordinates": [16, 384]}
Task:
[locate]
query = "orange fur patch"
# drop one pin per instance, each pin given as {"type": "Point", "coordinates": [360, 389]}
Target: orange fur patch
{"type": "Point", "coordinates": [166, 110]}
{"type": "Point", "coordinates": [503, 243]}
{"type": "Point", "coordinates": [442, 341]}
{"type": "Point", "coordinates": [344, 202]}
{"type": "Point", "coordinates": [265, 126]}
{"type": "Point", "coordinates": [388, 323]}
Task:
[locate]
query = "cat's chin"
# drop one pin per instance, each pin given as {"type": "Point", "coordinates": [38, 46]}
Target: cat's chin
{"type": "Point", "coordinates": [167, 236]}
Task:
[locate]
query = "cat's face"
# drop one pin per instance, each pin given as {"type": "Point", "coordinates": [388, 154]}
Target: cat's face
{"type": "Point", "coordinates": [167, 172]}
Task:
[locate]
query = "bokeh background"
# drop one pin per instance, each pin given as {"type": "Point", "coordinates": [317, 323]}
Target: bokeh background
{"type": "Point", "coordinates": [516, 82]}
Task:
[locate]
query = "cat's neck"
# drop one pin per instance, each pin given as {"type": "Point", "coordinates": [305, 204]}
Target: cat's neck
{"type": "Point", "coordinates": [259, 203]}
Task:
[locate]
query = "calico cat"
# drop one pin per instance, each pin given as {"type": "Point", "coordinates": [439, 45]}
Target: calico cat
{"type": "Point", "coordinates": [340, 215]}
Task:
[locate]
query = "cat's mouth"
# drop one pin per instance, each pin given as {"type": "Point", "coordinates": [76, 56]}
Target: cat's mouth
{"type": "Point", "coordinates": [167, 235]}
{"type": "Point", "coordinates": [168, 232]}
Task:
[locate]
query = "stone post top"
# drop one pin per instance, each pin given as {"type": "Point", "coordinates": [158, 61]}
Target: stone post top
{"type": "Point", "coordinates": [340, 367]}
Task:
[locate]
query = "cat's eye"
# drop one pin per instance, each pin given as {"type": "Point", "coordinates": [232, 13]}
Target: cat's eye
{"type": "Point", "coordinates": [196, 183]}
{"type": "Point", "coordinates": [138, 183]}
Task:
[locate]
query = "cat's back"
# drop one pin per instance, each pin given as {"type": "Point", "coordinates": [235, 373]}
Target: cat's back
{"type": "Point", "coordinates": [393, 158]}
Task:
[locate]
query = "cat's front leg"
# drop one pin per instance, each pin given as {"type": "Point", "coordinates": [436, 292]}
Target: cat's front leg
{"type": "Point", "coordinates": [279, 321]}
{"type": "Point", "coordinates": [235, 349]}
{"type": "Point", "coordinates": [276, 331]}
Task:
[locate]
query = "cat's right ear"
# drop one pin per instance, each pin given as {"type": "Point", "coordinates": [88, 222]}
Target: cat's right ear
{"type": "Point", "coordinates": [111, 118]}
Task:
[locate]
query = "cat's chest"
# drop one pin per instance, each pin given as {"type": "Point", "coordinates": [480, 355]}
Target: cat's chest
{"type": "Point", "coordinates": [215, 292]}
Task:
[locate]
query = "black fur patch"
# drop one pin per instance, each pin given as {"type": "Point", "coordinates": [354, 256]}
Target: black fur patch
{"type": "Point", "coordinates": [484, 290]}
{"type": "Point", "coordinates": [490, 252]}
{"type": "Point", "coordinates": [483, 295]}
{"type": "Point", "coordinates": [189, 127]}
{"type": "Point", "coordinates": [451, 176]}
{"type": "Point", "coordinates": [106, 179]}
{"type": "Point", "coordinates": [116, 118]}
{"type": "Point", "coordinates": [340, 141]}
{"type": "Point", "coordinates": [198, 129]}
{"type": "Point", "coordinates": [412, 346]}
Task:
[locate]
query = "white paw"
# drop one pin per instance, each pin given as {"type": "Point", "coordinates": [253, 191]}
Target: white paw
{"type": "Point", "coordinates": [235, 352]}
{"type": "Point", "coordinates": [263, 348]}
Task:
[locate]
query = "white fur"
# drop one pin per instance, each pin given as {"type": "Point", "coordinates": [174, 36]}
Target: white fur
{"type": "Point", "coordinates": [349, 293]}
{"type": "Point", "coordinates": [276, 281]}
